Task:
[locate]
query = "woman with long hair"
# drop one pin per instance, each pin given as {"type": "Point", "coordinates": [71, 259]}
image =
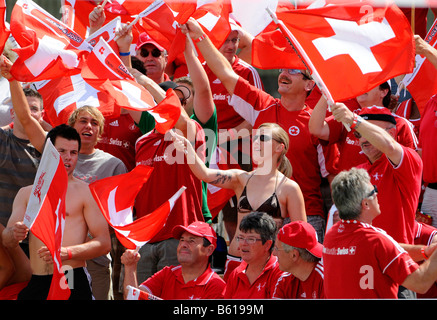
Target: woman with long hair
{"type": "Point", "coordinates": [267, 188]}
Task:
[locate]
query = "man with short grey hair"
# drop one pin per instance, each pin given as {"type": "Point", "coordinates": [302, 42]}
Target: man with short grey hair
{"type": "Point", "coordinates": [360, 260]}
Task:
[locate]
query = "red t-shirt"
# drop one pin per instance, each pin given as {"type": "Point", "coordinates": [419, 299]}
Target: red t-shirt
{"type": "Point", "coordinates": [169, 284]}
{"type": "Point", "coordinates": [398, 193]}
{"type": "Point", "coordinates": [363, 262]}
{"type": "Point", "coordinates": [239, 287]}
{"type": "Point", "coordinates": [119, 137]}
{"type": "Point", "coordinates": [168, 176]}
{"type": "Point", "coordinates": [306, 155]}
{"type": "Point", "coordinates": [428, 140]}
{"type": "Point", "coordinates": [290, 287]}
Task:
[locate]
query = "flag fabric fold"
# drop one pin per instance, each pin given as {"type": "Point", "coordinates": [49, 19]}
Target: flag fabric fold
{"type": "Point", "coordinates": [115, 197]}
{"type": "Point", "coordinates": [106, 72]}
{"type": "Point", "coordinates": [45, 214]}
{"type": "Point", "coordinates": [4, 31]}
{"type": "Point", "coordinates": [48, 48]}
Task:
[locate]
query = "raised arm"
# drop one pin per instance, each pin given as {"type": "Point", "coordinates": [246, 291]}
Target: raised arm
{"type": "Point", "coordinates": [203, 102]}
{"type": "Point", "coordinates": [215, 60]}
{"type": "Point", "coordinates": [317, 124]}
{"type": "Point", "coordinates": [374, 134]}
{"type": "Point", "coordinates": [32, 127]}
{"type": "Point", "coordinates": [228, 179]}
{"type": "Point", "coordinates": [425, 49]}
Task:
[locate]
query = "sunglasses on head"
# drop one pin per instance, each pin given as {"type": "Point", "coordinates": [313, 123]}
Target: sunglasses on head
{"type": "Point", "coordinates": [155, 53]}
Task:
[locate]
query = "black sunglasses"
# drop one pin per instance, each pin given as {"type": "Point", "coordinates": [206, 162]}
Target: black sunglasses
{"type": "Point", "coordinates": [155, 53]}
{"type": "Point", "coordinates": [371, 193]}
{"type": "Point", "coordinates": [264, 138]}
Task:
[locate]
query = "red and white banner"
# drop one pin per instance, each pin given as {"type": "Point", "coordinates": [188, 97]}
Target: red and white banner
{"type": "Point", "coordinates": [63, 95]}
{"type": "Point", "coordinates": [106, 72]}
{"type": "Point", "coordinates": [107, 32]}
{"type": "Point", "coordinates": [360, 48]}
{"type": "Point", "coordinates": [421, 82]}
{"type": "Point", "coordinates": [116, 196]}
{"type": "Point", "coordinates": [48, 48]}
{"type": "Point", "coordinates": [45, 214]}
{"type": "Point", "coordinates": [4, 31]}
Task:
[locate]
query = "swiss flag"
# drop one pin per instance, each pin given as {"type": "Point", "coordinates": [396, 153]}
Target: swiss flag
{"type": "Point", "coordinates": [48, 48]}
{"type": "Point", "coordinates": [63, 95]}
{"type": "Point", "coordinates": [45, 214]}
{"type": "Point", "coordinates": [343, 40]}
{"type": "Point", "coordinates": [116, 196]}
{"type": "Point", "coordinates": [105, 71]}
{"type": "Point", "coordinates": [421, 82]}
{"type": "Point", "coordinates": [4, 31]}
{"type": "Point", "coordinates": [107, 32]}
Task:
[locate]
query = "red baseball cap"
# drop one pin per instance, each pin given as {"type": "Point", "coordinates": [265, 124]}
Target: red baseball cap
{"type": "Point", "coordinates": [198, 228]}
{"type": "Point", "coordinates": [377, 113]}
{"type": "Point", "coordinates": [144, 38]}
{"type": "Point", "coordinates": [302, 235]}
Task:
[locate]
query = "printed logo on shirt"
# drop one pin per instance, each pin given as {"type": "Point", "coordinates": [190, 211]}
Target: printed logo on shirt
{"type": "Point", "coordinates": [114, 123]}
{"type": "Point", "coordinates": [217, 81]}
{"type": "Point", "coordinates": [219, 96]}
{"type": "Point", "coordinates": [259, 287]}
{"type": "Point", "coordinates": [352, 141]}
{"type": "Point", "coordinates": [340, 251]}
{"type": "Point", "coordinates": [293, 130]}
{"type": "Point", "coordinates": [377, 176]}
{"type": "Point", "coordinates": [157, 143]}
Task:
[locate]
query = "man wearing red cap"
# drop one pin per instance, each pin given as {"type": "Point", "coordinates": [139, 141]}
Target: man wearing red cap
{"type": "Point", "coordinates": [361, 261]}
{"type": "Point", "coordinates": [394, 169]}
{"type": "Point", "coordinates": [193, 278]}
{"type": "Point", "coordinates": [299, 256]}
{"type": "Point", "coordinates": [153, 56]}
{"type": "Point", "coordinates": [331, 132]}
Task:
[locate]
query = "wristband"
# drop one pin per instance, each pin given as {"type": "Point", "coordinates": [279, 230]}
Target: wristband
{"type": "Point", "coordinates": [356, 122]}
{"type": "Point", "coordinates": [203, 36]}
{"type": "Point", "coordinates": [422, 251]}
{"type": "Point", "coordinates": [70, 254]}
{"type": "Point", "coordinates": [124, 54]}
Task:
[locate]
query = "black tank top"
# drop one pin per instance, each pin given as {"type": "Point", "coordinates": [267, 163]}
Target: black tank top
{"type": "Point", "coordinates": [270, 206]}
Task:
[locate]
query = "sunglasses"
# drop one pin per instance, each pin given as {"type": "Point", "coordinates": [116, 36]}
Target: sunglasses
{"type": "Point", "coordinates": [373, 192]}
{"type": "Point", "coordinates": [155, 53]}
{"type": "Point", "coordinates": [295, 71]}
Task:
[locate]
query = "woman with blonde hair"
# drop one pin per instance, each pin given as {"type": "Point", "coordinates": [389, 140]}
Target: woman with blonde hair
{"type": "Point", "coordinates": [267, 188]}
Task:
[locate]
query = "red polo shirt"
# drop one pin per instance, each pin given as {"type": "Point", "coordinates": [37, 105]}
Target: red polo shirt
{"type": "Point", "coordinates": [169, 284]}
{"type": "Point", "coordinates": [238, 286]}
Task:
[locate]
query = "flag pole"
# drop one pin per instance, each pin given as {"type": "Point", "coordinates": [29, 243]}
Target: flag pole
{"type": "Point", "coordinates": [305, 60]}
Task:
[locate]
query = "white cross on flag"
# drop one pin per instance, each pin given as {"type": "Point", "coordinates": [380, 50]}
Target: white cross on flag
{"type": "Point", "coordinates": [116, 196]}
{"type": "Point", "coordinates": [350, 50]}
{"type": "Point", "coordinates": [48, 48]}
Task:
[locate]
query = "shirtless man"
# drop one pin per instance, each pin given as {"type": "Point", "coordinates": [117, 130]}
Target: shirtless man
{"type": "Point", "coordinates": [82, 216]}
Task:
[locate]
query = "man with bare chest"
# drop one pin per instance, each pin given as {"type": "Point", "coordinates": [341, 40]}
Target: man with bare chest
{"type": "Point", "coordinates": [82, 216]}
